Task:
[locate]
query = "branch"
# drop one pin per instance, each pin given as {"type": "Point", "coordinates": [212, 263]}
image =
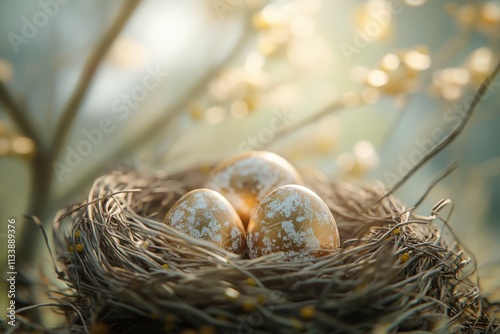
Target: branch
{"type": "Point", "coordinates": [41, 166]}
{"type": "Point", "coordinates": [17, 114]}
{"type": "Point", "coordinates": [132, 142]}
{"type": "Point", "coordinates": [331, 107]}
{"type": "Point", "coordinates": [447, 171]}
{"type": "Point", "coordinates": [446, 141]}
{"type": "Point", "coordinates": [178, 108]}
{"type": "Point", "coordinates": [88, 74]}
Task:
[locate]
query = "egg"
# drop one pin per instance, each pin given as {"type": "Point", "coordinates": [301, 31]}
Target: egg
{"type": "Point", "coordinates": [206, 214]}
{"type": "Point", "coordinates": [247, 178]}
{"type": "Point", "coordinates": [294, 220]}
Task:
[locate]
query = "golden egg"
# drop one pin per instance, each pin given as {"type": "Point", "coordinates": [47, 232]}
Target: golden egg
{"type": "Point", "coordinates": [294, 220]}
{"type": "Point", "coordinates": [247, 178]}
{"type": "Point", "coordinates": [207, 215]}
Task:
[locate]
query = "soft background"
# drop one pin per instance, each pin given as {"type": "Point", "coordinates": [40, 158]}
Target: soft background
{"type": "Point", "coordinates": [230, 68]}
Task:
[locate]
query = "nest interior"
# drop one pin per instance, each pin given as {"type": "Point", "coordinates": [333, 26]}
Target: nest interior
{"type": "Point", "coordinates": [127, 272]}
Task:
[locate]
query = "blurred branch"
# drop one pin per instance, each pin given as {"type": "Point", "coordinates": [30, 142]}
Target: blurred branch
{"type": "Point", "coordinates": [329, 108]}
{"type": "Point", "coordinates": [88, 74]}
{"type": "Point", "coordinates": [17, 114]}
{"type": "Point", "coordinates": [41, 167]}
{"type": "Point", "coordinates": [478, 96]}
{"type": "Point", "coordinates": [136, 140]}
{"type": "Point", "coordinates": [178, 108]}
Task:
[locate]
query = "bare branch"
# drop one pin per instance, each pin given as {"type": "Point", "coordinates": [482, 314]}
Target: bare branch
{"type": "Point", "coordinates": [447, 171]}
{"type": "Point", "coordinates": [41, 166]}
{"type": "Point", "coordinates": [446, 141]}
{"type": "Point", "coordinates": [88, 74]}
{"type": "Point", "coordinates": [17, 114]}
{"type": "Point", "coordinates": [136, 140]}
{"type": "Point", "coordinates": [178, 108]}
{"type": "Point", "coordinates": [331, 107]}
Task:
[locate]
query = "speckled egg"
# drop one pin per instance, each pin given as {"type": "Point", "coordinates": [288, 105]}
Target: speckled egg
{"type": "Point", "coordinates": [294, 220]}
{"type": "Point", "coordinates": [207, 215]}
{"type": "Point", "coordinates": [247, 178]}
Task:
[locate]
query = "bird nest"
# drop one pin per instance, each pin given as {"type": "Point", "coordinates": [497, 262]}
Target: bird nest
{"type": "Point", "coordinates": [127, 272]}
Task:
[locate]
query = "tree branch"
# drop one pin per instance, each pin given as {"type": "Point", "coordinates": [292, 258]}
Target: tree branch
{"type": "Point", "coordinates": [88, 74]}
{"type": "Point", "coordinates": [178, 108]}
{"type": "Point", "coordinates": [17, 114]}
{"type": "Point", "coordinates": [447, 171]}
{"type": "Point", "coordinates": [478, 96]}
{"type": "Point", "coordinates": [135, 141]}
{"type": "Point", "coordinates": [312, 118]}
{"type": "Point", "coordinates": [41, 166]}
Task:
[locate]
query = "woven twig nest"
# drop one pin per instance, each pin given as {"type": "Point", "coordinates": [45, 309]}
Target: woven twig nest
{"type": "Point", "coordinates": [129, 273]}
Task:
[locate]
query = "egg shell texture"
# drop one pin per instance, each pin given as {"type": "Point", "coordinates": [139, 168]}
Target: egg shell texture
{"type": "Point", "coordinates": [295, 220]}
{"type": "Point", "coordinates": [247, 178]}
{"type": "Point", "coordinates": [207, 215]}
